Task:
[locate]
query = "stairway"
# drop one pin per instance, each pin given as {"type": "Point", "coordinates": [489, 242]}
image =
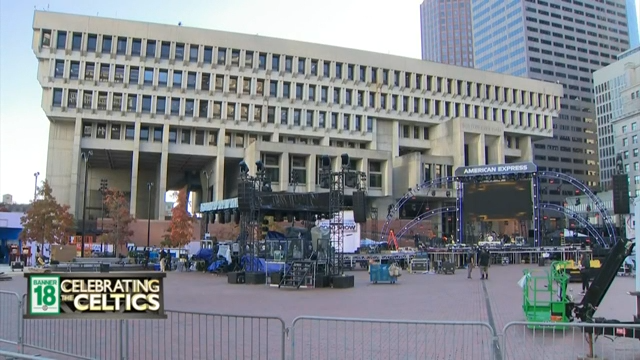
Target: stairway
{"type": "Point", "coordinates": [300, 274]}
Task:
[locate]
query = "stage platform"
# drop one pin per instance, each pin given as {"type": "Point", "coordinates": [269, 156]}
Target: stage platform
{"type": "Point", "coordinates": [501, 256]}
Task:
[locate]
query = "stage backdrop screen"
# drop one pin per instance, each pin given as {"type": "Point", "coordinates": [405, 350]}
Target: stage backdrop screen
{"type": "Point", "coordinates": [498, 200]}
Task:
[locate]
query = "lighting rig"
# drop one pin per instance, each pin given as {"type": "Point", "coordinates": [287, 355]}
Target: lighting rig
{"type": "Point", "coordinates": [336, 181]}
{"type": "Point", "coordinates": [250, 188]}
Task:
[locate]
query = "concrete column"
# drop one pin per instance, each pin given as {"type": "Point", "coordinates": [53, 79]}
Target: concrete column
{"type": "Point", "coordinates": [74, 182]}
{"type": "Point", "coordinates": [395, 140]}
{"type": "Point", "coordinates": [496, 149]}
{"type": "Point", "coordinates": [284, 171]}
{"type": "Point", "coordinates": [526, 149]}
{"type": "Point", "coordinates": [217, 180]}
{"type": "Point", "coordinates": [312, 165]}
{"type": "Point", "coordinates": [481, 150]}
{"type": "Point", "coordinates": [134, 171]}
{"type": "Point", "coordinates": [161, 185]}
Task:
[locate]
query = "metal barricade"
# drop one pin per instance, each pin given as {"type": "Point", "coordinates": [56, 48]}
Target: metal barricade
{"type": "Point", "coordinates": [10, 317]}
{"type": "Point", "coordinates": [8, 355]}
{"type": "Point", "coordinates": [364, 339]}
{"type": "Point", "coordinates": [570, 341]}
{"type": "Point", "coordinates": [186, 335]}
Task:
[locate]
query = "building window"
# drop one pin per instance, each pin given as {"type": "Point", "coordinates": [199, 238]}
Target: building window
{"type": "Point", "coordinates": [177, 78]}
{"type": "Point", "coordinates": [157, 134]}
{"type": "Point", "coordinates": [213, 138]}
{"type": "Point", "coordinates": [193, 53]}
{"type": "Point", "coordinates": [203, 108]}
{"type": "Point", "coordinates": [375, 174]}
{"type": "Point", "coordinates": [334, 120]}
{"type": "Point", "coordinates": [122, 46]}
{"type": "Point", "coordinates": [217, 110]}
{"type": "Point", "coordinates": [136, 47]}
{"type": "Point", "coordinates": [146, 104]}
{"type": "Point", "coordinates": [262, 61]}
{"type": "Point", "coordinates": [76, 41]}
{"type": "Point", "coordinates": [102, 100]}
{"type": "Point", "coordinates": [222, 56]}
{"type": "Point", "coordinates": [132, 102]}
{"type": "Point", "coordinates": [233, 84]}
{"type": "Point", "coordinates": [134, 75]}
{"type": "Point", "coordinates": [275, 62]}
{"type": "Point", "coordinates": [246, 86]}
{"type": "Point", "coordinates": [115, 132]}
{"type": "Point", "coordinates": [92, 42]}
{"type": "Point", "coordinates": [369, 124]}
{"type": "Point", "coordinates": [57, 97]}
{"type": "Point", "coordinates": [87, 99]}
{"type": "Point", "coordinates": [72, 99]}
{"type": "Point", "coordinates": [189, 107]}
{"type": "Point", "coordinates": [288, 64]}
{"type": "Point", "coordinates": [286, 90]}
{"type": "Point", "coordinates": [322, 119]}
{"type": "Point", "coordinates": [59, 69]}
{"type": "Point", "coordinates": [299, 92]}
{"type": "Point", "coordinates": [231, 111]}
{"type": "Point", "coordinates": [235, 57]}
{"type": "Point", "coordinates": [163, 77]}
{"type": "Point", "coordinates": [61, 42]}
{"type": "Point", "coordinates": [165, 50]}
{"type": "Point", "coordinates": [219, 82]}
{"type": "Point", "coordinates": [144, 133]}
{"type": "Point", "coordinates": [207, 56]}
{"type": "Point", "coordinates": [179, 52]}
{"type": "Point", "coordinates": [130, 132]}
{"type": "Point", "coordinates": [148, 76]}
{"type": "Point", "coordinates": [296, 117]}
{"type": "Point", "coordinates": [161, 105]}
{"type": "Point", "coordinates": [309, 118]}
{"type": "Point", "coordinates": [106, 44]}
{"type": "Point", "coordinates": [248, 59]}
{"type": "Point", "coordinates": [298, 166]}
{"type": "Point", "coordinates": [151, 49]}
{"type": "Point", "coordinates": [185, 136]}
{"type": "Point", "coordinates": [272, 166]}
{"type": "Point", "coordinates": [271, 115]}
{"type": "Point", "coordinates": [173, 136]}
{"type": "Point", "coordinates": [191, 80]}
{"type": "Point", "coordinates": [257, 113]}
{"type": "Point", "coordinates": [199, 137]}
{"type": "Point", "coordinates": [175, 106]}
{"type": "Point", "coordinates": [314, 67]}
{"type": "Point", "coordinates": [301, 65]}
{"type": "Point", "coordinates": [244, 112]}
{"type": "Point", "coordinates": [105, 69]}
{"type": "Point", "coordinates": [87, 130]}
{"type": "Point", "coordinates": [119, 75]}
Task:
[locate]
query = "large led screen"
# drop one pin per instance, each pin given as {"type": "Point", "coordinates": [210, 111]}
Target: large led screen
{"type": "Point", "coordinates": [497, 200]}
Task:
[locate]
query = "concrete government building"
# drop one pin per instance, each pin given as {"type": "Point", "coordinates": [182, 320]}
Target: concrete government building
{"type": "Point", "coordinates": [179, 106]}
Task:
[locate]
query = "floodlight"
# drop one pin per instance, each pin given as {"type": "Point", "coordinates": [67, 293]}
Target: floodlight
{"type": "Point", "coordinates": [259, 165]}
{"type": "Point", "coordinates": [326, 162]}
{"type": "Point", "coordinates": [345, 160]}
{"type": "Point", "coordinates": [244, 168]}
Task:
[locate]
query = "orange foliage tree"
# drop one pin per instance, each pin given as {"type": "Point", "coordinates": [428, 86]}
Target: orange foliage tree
{"type": "Point", "coordinates": [46, 221]}
{"type": "Point", "coordinates": [117, 232]}
{"type": "Point", "coordinates": [180, 230]}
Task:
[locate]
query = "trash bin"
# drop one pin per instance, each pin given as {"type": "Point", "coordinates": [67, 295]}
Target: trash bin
{"type": "Point", "coordinates": [104, 268]}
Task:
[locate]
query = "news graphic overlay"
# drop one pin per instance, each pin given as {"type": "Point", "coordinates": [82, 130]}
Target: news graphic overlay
{"type": "Point", "coordinates": [95, 296]}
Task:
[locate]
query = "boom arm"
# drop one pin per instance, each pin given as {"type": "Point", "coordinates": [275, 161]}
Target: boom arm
{"type": "Point", "coordinates": [600, 285]}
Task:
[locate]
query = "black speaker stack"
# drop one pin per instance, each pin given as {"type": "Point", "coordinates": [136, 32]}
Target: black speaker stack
{"type": "Point", "coordinates": [360, 206]}
{"type": "Point", "coordinates": [620, 194]}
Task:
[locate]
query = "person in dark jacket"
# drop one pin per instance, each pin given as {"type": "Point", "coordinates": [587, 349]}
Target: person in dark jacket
{"type": "Point", "coordinates": [483, 262]}
{"type": "Point", "coordinates": [471, 263]}
{"type": "Point", "coordinates": [585, 270]}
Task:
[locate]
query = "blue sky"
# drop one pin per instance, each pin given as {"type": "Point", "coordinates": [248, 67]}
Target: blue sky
{"type": "Point", "coordinates": [369, 25]}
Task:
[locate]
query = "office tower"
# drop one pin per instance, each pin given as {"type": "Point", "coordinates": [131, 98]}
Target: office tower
{"type": "Point", "coordinates": [617, 92]}
{"type": "Point", "coordinates": [610, 84]}
{"type": "Point", "coordinates": [563, 42]}
{"type": "Point", "coordinates": [446, 31]}
{"type": "Point", "coordinates": [632, 21]}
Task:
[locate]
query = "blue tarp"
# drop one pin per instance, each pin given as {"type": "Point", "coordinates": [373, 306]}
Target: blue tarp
{"type": "Point", "coordinates": [216, 265]}
{"type": "Point", "coordinates": [274, 235]}
{"type": "Point", "coordinates": [260, 265]}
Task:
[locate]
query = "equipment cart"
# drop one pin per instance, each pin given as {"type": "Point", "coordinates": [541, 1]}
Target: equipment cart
{"type": "Point", "coordinates": [16, 258]}
{"type": "Point", "coordinates": [383, 273]}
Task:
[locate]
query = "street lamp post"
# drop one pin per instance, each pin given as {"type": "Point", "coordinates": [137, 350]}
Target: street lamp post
{"type": "Point", "coordinates": [85, 156]}
{"type": "Point", "coordinates": [149, 185]}
{"type": "Point", "coordinates": [35, 187]}
{"type": "Point", "coordinates": [205, 216]}
{"type": "Point", "coordinates": [104, 185]}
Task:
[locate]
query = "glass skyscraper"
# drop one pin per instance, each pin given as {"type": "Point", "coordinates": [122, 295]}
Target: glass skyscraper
{"type": "Point", "coordinates": [446, 31]}
{"type": "Point", "coordinates": [558, 41]}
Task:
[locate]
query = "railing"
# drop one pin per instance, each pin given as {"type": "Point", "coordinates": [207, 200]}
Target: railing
{"type": "Point", "coordinates": [186, 335]}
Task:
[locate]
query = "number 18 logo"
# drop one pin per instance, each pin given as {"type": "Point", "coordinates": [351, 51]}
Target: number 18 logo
{"type": "Point", "coordinates": [44, 295]}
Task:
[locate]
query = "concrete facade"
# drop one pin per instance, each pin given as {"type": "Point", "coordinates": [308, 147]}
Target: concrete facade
{"type": "Point", "coordinates": [609, 84]}
{"type": "Point", "coordinates": [626, 127]}
{"type": "Point", "coordinates": [178, 106]}
{"type": "Point", "coordinates": [562, 42]}
{"type": "Point", "coordinates": [446, 32]}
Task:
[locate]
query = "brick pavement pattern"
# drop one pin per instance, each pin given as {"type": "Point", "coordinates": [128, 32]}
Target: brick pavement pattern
{"type": "Point", "coordinates": [417, 297]}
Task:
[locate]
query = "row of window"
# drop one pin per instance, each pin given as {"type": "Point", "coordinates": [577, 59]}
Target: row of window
{"type": "Point", "coordinates": [565, 149]}
{"type": "Point", "coordinates": [328, 69]}
{"type": "Point", "coordinates": [190, 107]}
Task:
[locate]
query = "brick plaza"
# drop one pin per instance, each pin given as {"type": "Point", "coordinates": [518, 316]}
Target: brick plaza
{"type": "Point", "coordinates": [417, 297]}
